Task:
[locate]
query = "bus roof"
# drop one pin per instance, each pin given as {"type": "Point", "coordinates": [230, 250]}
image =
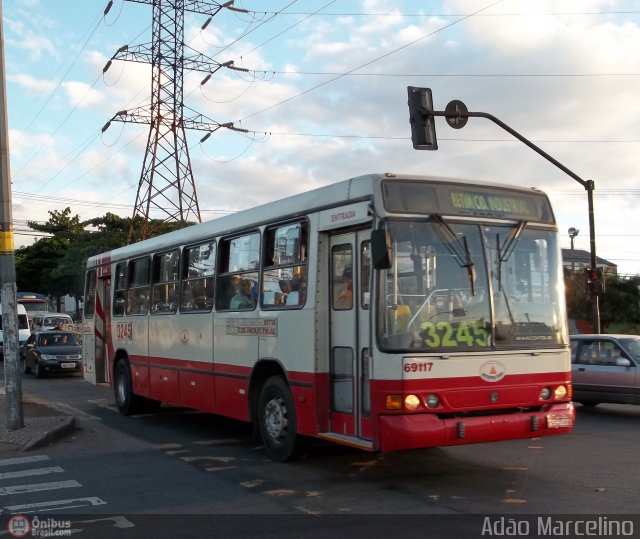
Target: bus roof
{"type": "Point", "coordinates": [336, 194]}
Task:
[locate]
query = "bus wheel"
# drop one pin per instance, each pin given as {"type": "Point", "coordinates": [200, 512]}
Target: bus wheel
{"type": "Point", "coordinates": [277, 420]}
{"type": "Point", "coordinates": [128, 403]}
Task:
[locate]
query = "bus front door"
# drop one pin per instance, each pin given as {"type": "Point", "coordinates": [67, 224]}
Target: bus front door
{"type": "Point", "coordinates": [349, 374]}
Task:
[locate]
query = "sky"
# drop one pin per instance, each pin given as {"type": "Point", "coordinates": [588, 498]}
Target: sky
{"type": "Point", "coordinates": [324, 98]}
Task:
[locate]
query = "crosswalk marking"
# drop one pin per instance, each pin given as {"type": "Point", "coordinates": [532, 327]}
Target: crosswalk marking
{"type": "Point", "coordinates": [32, 471]}
{"type": "Point", "coordinates": [54, 504]}
{"type": "Point", "coordinates": [27, 467]}
{"type": "Point", "coordinates": [36, 487]}
{"type": "Point", "coordinates": [23, 460]}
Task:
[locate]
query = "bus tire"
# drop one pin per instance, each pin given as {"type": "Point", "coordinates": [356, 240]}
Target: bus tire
{"type": "Point", "coordinates": [277, 421]}
{"type": "Point", "coordinates": [126, 400]}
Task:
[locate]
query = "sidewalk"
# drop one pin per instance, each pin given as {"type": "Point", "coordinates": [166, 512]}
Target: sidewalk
{"type": "Point", "coordinates": [42, 425]}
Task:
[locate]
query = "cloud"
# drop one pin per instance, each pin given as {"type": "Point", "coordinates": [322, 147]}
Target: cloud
{"type": "Point", "coordinates": [32, 84]}
{"type": "Point", "coordinates": [82, 95]}
{"type": "Point", "coordinates": [557, 72]}
{"type": "Point", "coordinates": [35, 45]}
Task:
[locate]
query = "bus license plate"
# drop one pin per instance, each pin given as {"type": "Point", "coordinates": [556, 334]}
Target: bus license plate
{"type": "Point", "coordinates": [68, 365]}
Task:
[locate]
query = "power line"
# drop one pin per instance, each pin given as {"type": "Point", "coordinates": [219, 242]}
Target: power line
{"type": "Point", "coordinates": [386, 55]}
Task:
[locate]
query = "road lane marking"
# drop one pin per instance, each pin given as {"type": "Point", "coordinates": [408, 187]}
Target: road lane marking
{"type": "Point", "coordinates": [217, 442]}
{"type": "Point", "coordinates": [36, 487]}
{"type": "Point", "coordinates": [32, 471]}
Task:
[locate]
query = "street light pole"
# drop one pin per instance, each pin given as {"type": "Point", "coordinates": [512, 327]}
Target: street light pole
{"type": "Point", "coordinates": [573, 232]}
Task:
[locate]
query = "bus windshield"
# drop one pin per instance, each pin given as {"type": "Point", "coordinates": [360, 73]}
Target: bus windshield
{"type": "Point", "coordinates": [467, 286]}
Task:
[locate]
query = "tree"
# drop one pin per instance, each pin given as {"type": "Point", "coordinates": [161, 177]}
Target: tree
{"type": "Point", "coordinates": [55, 265]}
{"type": "Point", "coordinates": [621, 303]}
{"type": "Point", "coordinates": [38, 265]}
{"type": "Point", "coordinates": [619, 306]}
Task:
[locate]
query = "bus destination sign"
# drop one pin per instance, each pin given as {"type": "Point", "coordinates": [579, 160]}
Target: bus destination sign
{"type": "Point", "coordinates": [492, 203]}
{"type": "Point", "coordinates": [456, 199]}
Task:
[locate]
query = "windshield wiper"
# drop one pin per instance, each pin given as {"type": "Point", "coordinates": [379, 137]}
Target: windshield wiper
{"type": "Point", "coordinates": [459, 249]}
{"type": "Point", "coordinates": [506, 249]}
{"type": "Point", "coordinates": [504, 253]}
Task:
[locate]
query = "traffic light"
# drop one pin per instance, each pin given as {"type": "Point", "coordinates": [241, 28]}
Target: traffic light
{"type": "Point", "coordinates": [423, 127]}
{"type": "Point", "coordinates": [595, 281]}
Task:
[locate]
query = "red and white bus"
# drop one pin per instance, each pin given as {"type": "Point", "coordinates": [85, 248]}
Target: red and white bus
{"type": "Point", "coordinates": [382, 312]}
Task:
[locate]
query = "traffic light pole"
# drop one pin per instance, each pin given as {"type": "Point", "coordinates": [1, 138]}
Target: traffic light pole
{"type": "Point", "coordinates": [456, 115]}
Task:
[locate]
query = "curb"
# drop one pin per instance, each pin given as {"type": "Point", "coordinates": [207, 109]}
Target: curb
{"type": "Point", "coordinates": [64, 429]}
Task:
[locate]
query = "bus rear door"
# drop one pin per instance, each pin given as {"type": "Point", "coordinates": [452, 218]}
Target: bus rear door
{"type": "Point", "coordinates": [96, 329]}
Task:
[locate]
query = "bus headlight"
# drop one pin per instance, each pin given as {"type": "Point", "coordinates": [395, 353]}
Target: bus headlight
{"type": "Point", "coordinates": [432, 401]}
{"type": "Point", "coordinates": [411, 402]}
{"type": "Point", "coordinates": [560, 392]}
{"type": "Point", "coordinates": [545, 393]}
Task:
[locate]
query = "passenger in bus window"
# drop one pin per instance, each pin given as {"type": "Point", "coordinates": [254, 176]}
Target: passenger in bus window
{"type": "Point", "coordinates": [285, 287]}
{"type": "Point", "coordinates": [241, 298]}
{"type": "Point", "coordinates": [251, 290]}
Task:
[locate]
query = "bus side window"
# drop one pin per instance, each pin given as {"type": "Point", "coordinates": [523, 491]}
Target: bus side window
{"type": "Point", "coordinates": [237, 283]}
{"type": "Point", "coordinates": [284, 278]}
{"type": "Point", "coordinates": [119, 289]}
{"type": "Point", "coordinates": [138, 291]}
{"type": "Point", "coordinates": [198, 268]}
{"type": "Point", "coordinates": [89, 294]}
{"type": "Point", "coordinates": [165, 276]}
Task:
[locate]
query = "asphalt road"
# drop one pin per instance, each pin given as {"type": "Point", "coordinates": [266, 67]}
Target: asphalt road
{"type": "Point", "coordinates": [183, 467]}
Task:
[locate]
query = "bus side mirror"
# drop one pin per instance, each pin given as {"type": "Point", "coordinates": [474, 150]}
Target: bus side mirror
{"type": "Point", "coordinates": [381, 250]}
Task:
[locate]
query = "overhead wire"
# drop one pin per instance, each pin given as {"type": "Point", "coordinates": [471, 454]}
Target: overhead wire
{"type": "Point", "coordinates": [385, 55]}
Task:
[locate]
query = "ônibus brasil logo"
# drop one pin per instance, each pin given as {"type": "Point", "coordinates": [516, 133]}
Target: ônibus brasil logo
{"type": "Point", "coordinates": [22, 526]}
{"type": "Point", "coordinates": [18, 526]}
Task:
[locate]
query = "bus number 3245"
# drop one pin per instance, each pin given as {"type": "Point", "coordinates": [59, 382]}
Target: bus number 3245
{"type": "Point", "coordinates": [124, 331]}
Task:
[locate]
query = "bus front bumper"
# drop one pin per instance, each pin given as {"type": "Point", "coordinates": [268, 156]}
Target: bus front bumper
{"type": "Point", "coordinates": [412, 431]}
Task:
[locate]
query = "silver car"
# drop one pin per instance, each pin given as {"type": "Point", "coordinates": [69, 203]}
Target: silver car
{"type": "Point", "coordinates": [605, 368]}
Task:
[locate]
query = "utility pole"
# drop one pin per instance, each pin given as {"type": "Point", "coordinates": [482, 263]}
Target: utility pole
{"type": "Point", "coordinates": [423, 135]}
{"type": "Point", "coordinates": [12, 379]}
{"type": "Point", "coordinates": [166, 182]}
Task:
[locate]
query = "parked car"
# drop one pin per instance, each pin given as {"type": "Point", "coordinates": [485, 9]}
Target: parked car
{"type": "Point", "coordinates": [52, 351]}
{"type": "Point", "coordinates": [605, 368]}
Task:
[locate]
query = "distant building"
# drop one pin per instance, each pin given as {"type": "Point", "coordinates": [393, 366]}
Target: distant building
{"type": "Point", "coordinates": [580, 259]}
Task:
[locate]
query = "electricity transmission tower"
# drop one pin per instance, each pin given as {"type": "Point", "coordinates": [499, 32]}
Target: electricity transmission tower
{"type": "Point", "coordinates": [166, 182]}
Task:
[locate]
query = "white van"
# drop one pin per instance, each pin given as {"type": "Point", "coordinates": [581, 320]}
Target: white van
{"type": "Point", "coordinates": [46, 321]}
{"type": "Point", "coordinates": [23, 328]}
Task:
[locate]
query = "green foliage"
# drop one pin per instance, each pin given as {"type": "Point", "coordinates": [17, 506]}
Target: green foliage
{"type": "Point", "coordinates": [619, 306]}
{"type": "Point", "coordinates": [578, 301]}
{"type": "Point", "coordinates": [621, 302]}
{"type": "Point", "coordinates": [55, 265]}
